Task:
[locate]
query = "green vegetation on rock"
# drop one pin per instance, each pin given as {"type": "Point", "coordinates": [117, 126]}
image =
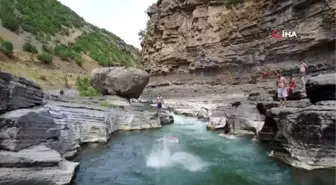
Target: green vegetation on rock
{"type": "Point", "coordinates": [100, 47]}
{"type": "Point", "coordinates": [47, 16]}
{"type": "Point", "coordinates": [29, 48]}
{"type": "Point", "coordinates": [107, 104]}
{"type": "Point", "coordinates": [6, 47]}
{"type": "Point", "coordinates": [84, 87]}
{"type": "Point", "coordinates": [53, 24]}
{"type": "Point", "coordinates": [47, 49]}
{"type": "Point", "coordinates": [45, 58]}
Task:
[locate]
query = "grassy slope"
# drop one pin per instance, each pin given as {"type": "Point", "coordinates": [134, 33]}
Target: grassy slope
{"type": "Point", "coordinates": [51, 24]}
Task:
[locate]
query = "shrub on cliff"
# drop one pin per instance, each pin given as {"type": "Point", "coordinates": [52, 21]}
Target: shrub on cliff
{"type": "Point", "coordinates": [8, 17]}
{"type": "Point", "coordinates": [78, 59]}
{"type": "Point", "coordinates": [84, 87]}
{"type": "Point", "coordinates": [6, 47]}
{"type": "Point", "coordinates": [47, 49]}
{"type": "Point", "coordinates": [28, 47]}
{"type": "Point", "coordinates": [45, 58]}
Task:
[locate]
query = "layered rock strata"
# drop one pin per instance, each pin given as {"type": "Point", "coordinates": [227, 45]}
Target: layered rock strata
{"type": "Point", "coordinates": [232, 40]}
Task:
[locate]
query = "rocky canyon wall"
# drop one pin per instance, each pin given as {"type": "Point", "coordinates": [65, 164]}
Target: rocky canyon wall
{"type": "Point", "coordinates": [234, 37]}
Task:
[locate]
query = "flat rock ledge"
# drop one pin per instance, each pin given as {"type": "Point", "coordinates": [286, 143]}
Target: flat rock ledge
{"type": "Point", "coordinates": [34, 142]}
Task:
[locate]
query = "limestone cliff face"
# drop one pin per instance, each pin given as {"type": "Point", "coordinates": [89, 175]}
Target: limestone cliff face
{"type": "Point", "coordinates": [183, 36]}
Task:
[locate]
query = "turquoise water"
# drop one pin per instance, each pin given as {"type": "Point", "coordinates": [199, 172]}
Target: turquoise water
{"type": "Point", "coordinates": [200, 158]}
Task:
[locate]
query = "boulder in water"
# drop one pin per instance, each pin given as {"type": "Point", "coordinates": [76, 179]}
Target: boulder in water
{"type": "Point", "coordinates": [166, 118]}
{"type": "Point", "coordinates": [121, 81]}
{"type": "Point", "coordinates": [216, 122]}
{"type": "Point", "coordinates": [305, 137]}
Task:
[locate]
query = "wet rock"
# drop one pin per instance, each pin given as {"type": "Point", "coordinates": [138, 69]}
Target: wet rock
{"type": "Point", "coordinates": [216, 122]}
{"type": "Point", "coordinates": [244, 119]}
{"type": "Point", "coordinates": [321, 87]}
{"type": "Point", "coordinates": [125, 82]}
{"type": "Point", "coordinates": [305, 137]}
{"type": "Point", "coordinates": [17, 92]}
{"type": "Point", "coordinates": [166, 118]}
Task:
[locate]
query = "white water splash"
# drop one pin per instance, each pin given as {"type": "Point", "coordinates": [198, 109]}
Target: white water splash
{"type": "Point", "coordinates": [164, 156]}
{"type": "Point", "coordinates": [228, 136]}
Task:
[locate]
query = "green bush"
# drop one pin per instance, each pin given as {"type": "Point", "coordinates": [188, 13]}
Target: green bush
{"type": "Point", "coordinates": [45, 58]}
{"type": "Point", "coordinates": [64, 55]}
{"type": "Point", "coordinates": [64, 52]}
{"type": "Point", "coordinates": [11, 22]}
{"type": "Point", "coordinates": [6, 47]}
{"type": "Point", "coordinates": [84, 87]}
{"type": "Point", "coordinates": [107, 104]}
{"type": "Point", "coordinates": [29, 48]}
{"type": "Point", "coordinates": [79, 60]}
{"type": "Point", "coordinates": [101, 47]}
{"type": "Point", "coordinates": [47, 49]}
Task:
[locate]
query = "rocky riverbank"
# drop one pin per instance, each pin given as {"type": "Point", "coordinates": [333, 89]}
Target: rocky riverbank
{"type": "Point", "coordinates": [303, 132]}
{"type": "Point", "coordinates": [39, 133]}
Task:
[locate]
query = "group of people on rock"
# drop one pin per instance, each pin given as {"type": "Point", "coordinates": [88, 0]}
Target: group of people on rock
{"type": "Point", "coordinates": [284, 88]}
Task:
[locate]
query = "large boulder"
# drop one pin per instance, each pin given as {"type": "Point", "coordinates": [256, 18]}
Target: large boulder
{"type": "Point", "coordinates": [23, 128]}
{"type": "Point", "coordinates": [305, 137]}
{"type": "Point", "coordinates": [321, 87]}
{"type": "Point", "coordinates": [17, 92]}
{"type": "Point", "coordinates": [239, 118]}
{"type": "Point", "coordinates": [125, 82]}
{"type": "Point", "coordinates": [26, 156]}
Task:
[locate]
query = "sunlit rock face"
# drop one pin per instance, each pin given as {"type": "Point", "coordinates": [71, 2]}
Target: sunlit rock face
{"type": "Point", "coordinates": [214, 37]}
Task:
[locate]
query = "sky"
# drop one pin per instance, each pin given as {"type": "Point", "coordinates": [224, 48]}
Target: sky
{"type": "Point", "coordinates": [125, 18]}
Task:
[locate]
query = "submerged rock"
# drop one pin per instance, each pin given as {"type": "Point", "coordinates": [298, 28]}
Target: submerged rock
{"type": "Point", "coordinates": [17, 92]}
{"type": "Point", "coordinates": [125, 82]}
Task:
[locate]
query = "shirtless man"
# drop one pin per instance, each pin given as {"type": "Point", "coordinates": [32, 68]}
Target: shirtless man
{"type": "Point", "coordinates": [282, 91]}
{"type": "Point", "coordinates": [303, 70]}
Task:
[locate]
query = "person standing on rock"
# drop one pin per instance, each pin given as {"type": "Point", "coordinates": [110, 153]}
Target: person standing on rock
{"type": "Point", "coordinates": [159, 102]}
{"type": "Point", "coordinates": [303, 70]}
{"type": "Point", "coordinates": [282, 90]}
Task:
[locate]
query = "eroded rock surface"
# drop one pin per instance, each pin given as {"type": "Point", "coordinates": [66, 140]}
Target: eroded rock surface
{"type": "Point", "coordinates": [17, 92]}
{"type": "Point", "coordinates": [212, 38]}
{"type": "Point", "coordinates": [306, 137]}
{"type": "Point", "coordinates": [321, 87]}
